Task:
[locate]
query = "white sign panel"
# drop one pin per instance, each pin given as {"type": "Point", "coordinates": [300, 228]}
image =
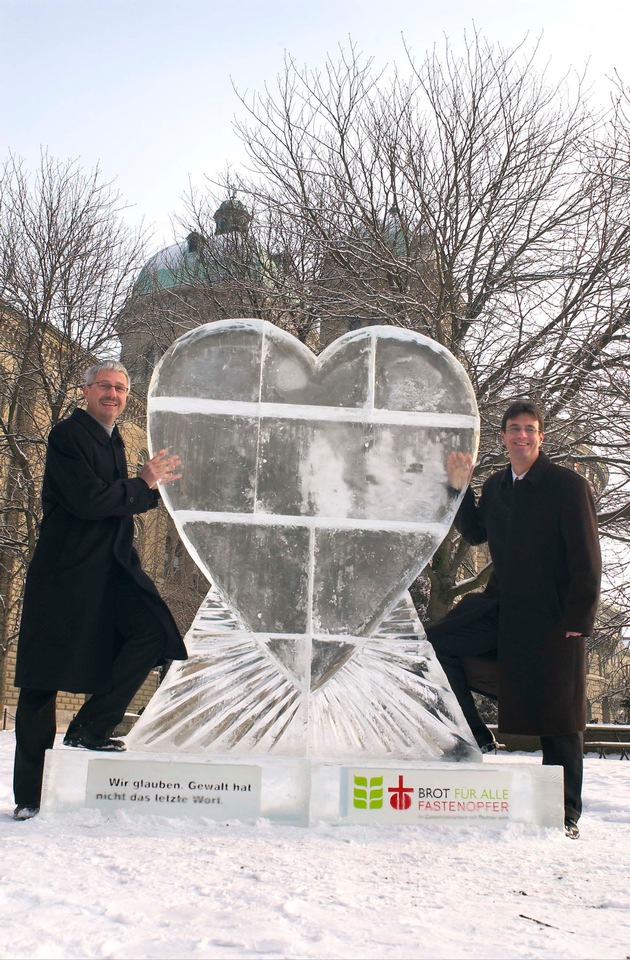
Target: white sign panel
{"type": "Point", "coordinates": [216, 791]}
{"type": "Point", "coordinates": [407, 796]}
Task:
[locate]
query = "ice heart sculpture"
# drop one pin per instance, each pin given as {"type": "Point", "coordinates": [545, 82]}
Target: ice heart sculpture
{"type": "Point", "coordinates": [314, 491]}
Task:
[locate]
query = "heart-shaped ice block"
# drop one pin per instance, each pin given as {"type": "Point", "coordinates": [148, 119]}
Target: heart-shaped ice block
{"type": "Point", "coordinates": [314, 489]}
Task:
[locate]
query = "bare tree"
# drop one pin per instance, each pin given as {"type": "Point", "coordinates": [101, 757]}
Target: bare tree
{"type": "Point", "coordinates": [474, 199]}
{"type": "Point", "coordinates": [66, 260]}
{"type": "Point", "coordinates": [248, 267]}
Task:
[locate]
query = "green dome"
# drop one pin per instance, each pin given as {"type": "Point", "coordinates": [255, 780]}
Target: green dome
{"type": "Point", "coordinates": [197, 258]}
{"type": "Point", "coordinates": [172, 267]}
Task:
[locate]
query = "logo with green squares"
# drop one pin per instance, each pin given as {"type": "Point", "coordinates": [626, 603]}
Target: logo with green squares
{"type": "Point", "coordinates": [368, 793]}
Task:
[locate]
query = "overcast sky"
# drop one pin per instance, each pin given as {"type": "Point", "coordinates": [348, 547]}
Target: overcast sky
{"type": "Point", "coordinates": [144, 87]}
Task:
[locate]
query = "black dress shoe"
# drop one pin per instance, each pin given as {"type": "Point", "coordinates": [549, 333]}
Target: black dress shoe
{"type": "Point", "coordinates": [89, 741]}
{"type": "Point", "coordinates": [571, 829]}
{"type": "Point", "coordinates": [25, 811]}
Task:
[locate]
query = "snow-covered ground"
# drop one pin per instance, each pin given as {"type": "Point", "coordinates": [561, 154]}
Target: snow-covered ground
{"type": "Point", "coordinates": [133, 886]}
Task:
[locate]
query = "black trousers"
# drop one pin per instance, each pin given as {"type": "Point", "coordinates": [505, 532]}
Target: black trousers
{"type": "Point", "coordinates": [141, 647]}
{"type": "Point", "coordinates": [481, 638]}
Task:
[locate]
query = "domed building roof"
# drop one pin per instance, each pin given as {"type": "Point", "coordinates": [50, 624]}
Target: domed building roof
{"type": "Point", "coordinates": [175, 265]}
{"type": "Point", "coordinates": [197, 258]}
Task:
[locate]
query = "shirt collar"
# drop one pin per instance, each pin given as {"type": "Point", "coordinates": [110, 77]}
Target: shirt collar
{"type": "Point", "coordinates": [535, 473]}
{"type": "Point", "coordinates": [107, 427]}
{"type": "Point", "coordinates": [94, 426]}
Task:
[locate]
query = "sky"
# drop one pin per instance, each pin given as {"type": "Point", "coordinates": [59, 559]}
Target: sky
{"type": "Point", "coordinates": [145, 88]}
{"type": "Point", "coordinates": [127, 886]}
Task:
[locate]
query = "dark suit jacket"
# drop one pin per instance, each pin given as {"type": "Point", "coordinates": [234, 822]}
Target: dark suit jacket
{"type": "Point", "coordinates": [67, 637]}
{"type": "Point", "coordinates": [543, 540]}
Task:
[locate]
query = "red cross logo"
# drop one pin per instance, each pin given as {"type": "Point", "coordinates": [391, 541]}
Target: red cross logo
{"type": "Point", "coordinates": [400, 796]}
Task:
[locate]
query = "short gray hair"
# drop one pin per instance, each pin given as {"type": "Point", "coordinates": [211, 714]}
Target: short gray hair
{"type": "Point", "coordinates": [113, 365]}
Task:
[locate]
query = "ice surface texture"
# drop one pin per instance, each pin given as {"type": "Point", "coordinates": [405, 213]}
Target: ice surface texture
{"type": "Point", "coordinates": [314, 491]}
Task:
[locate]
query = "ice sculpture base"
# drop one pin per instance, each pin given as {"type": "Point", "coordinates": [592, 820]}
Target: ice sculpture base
{"type": "Point", "coordinates": [301, 792]}
{"type": "Point", "coordinates": [332, 699]}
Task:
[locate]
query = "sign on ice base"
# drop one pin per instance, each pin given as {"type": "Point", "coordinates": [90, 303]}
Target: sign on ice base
{"type": "Point", "coordinates": [452, 792]}
{"type": "Point", "coordinates": [299, 792]}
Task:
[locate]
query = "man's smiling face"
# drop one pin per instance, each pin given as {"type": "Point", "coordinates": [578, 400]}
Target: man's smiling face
{"type": "Point", "coordinates": [107, 396]}
{"type": "Point", "coordinates": [522, 438]}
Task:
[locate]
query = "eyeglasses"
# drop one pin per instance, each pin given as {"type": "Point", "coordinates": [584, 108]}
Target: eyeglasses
{"type": "Point", "coordinates": [104, 385]}
{"type": "Point", "coordinates": [530, 431]}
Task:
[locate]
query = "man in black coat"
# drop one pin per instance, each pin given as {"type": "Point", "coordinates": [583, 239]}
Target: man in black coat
{"type": "Point", "coordinates": [92, 620]}
{"type": "Point", "coordinates": [540, 525]}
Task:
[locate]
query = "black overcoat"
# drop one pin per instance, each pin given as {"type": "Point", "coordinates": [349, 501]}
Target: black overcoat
{"type": "Point", "coordinates": [542, 536]}
{"type": "Point", "coordinates": [67, 636]}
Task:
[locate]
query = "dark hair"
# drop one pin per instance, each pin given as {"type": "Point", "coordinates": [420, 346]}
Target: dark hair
{"type": "Point", "coordinates": [523, 406]}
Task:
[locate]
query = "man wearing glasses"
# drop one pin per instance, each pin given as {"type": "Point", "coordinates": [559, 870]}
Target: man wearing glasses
{"type": "Point", "coordinates": [540, 525]}
{"type": "Point", "coordinates": [92, 620]}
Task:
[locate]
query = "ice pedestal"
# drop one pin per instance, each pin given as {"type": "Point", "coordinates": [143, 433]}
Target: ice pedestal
{"type": "Point", "coordinates": [299, 792]}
